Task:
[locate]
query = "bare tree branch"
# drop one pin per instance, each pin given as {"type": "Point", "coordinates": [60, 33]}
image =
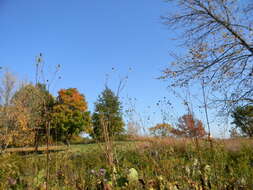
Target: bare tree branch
{"type": "Point", "coordinates": [218, 37]}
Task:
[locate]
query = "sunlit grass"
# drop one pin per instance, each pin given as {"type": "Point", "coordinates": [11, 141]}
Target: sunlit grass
{"type": "Point", "coordinates": [164, 163]}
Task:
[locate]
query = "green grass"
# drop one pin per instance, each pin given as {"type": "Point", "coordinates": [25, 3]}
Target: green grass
{"type": "Point", "coordinates": [84, 148]}
{"type": "Point", "coordinates": [32, 149]}
{"type": "Point", "coordinates": [160, 164]}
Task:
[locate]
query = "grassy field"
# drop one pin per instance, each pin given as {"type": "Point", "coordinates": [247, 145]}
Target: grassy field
{"type": "Point", "coordinates": [32, 149]}
{"type": "Point", "coordinates": [146, 163]}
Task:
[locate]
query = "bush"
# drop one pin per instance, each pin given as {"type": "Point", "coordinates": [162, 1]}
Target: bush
{"type": "Point", "coordinates": [80, 140]}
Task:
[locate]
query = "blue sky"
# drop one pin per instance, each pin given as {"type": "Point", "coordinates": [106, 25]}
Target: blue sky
{"type": "Point", "coordinates": [88, 38]}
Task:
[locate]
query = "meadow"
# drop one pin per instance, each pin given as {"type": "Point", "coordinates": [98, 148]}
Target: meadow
{"type": "Point", "coordinates": [143, 163]}
{"type": "Point", "coordinates": [108, 54]}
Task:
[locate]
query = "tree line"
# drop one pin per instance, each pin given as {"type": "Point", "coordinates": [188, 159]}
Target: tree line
{"type": "Point", "coordinates": [29, 114]}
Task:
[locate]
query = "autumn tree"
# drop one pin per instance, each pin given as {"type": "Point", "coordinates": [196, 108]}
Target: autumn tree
{"type": "Point", "coordinates": [161, 130]}
{"type": "Point", "coordinates": [107, 118]}
{"type": "Point", "coordinates": [7, 89]}
{"type": "Point", "coordinates": [33, 104]}
{"type": "Point", "coordinates": [217, 37]}
{"type": "Point", "coordinates": [45, 113]}
{"type": "Point", "coordinates": [243, 120]}
{"type": "Point", "coordinates": [20, 112]}
{"type": "Point", "coordinates": [188, 126]}
{"type": "Point", "coordinates": [70, 115]}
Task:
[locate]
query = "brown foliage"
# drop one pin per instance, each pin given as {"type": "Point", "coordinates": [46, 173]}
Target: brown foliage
{"type": "Point", "coordinates": [24, 118]}
{"type": "Point", "coordinates": [15, 126]}
{"type": "Point", "coordinates": [188, 126]}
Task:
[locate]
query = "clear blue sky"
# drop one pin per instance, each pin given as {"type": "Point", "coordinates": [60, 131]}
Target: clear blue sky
{"type": "Point", "coordinates": [88, 38]}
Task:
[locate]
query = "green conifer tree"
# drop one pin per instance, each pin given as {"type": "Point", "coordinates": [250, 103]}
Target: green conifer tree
{"type": "Point", "coordinates": [107, 116]}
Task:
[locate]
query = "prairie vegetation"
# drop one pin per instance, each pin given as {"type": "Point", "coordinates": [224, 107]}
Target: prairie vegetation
{"type": "Point", "coordinates": [54, 142]}
{"type": "Point", "coordinates": [165, 163]}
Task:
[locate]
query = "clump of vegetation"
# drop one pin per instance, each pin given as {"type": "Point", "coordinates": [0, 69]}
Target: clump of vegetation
{"type": "Point", "coordinates": [243, 120]}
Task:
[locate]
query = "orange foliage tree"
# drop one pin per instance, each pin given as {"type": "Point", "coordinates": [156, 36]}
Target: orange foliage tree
{"type": "Point", "coordinates": [70, 115]}
{"type": "Point", "coordinates": [188, 126]}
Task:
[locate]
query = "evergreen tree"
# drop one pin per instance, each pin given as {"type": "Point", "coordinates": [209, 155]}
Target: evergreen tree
{"type": "Point", "coordinates": [243, 120]}
{"type": "Point", "coordinates": [107, 118]}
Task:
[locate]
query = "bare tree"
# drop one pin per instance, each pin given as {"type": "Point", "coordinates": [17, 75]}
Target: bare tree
{"type": "Point", "coordinates": [7, 87]}
{"type": "Point", "coordinates": [133, 128]}
{"type": "Point", "coordinates": [218, 38]}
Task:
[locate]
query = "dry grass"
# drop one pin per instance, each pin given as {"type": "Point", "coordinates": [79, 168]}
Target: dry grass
{"type": "Point", "coordinates": [32, 149]}
{"type": "Point", "coordinates": [160, 162]}
{"type": "Point", "coordinates": [229, 144]}
{"type": "Point", "coordinates": [235, 144]}
{"type": "Point", "coordinates": [146, 142]}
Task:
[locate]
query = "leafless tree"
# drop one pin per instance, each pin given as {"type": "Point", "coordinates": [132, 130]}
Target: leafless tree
{"type": "Point", "coordinates": [7, 87]}
{"type": "Point", "coordinates": [133, 128]}
{"type": "Point", "coordinates": [217, 35]}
